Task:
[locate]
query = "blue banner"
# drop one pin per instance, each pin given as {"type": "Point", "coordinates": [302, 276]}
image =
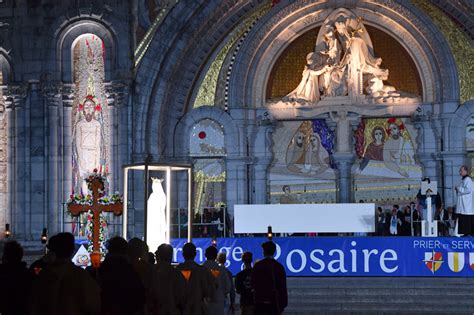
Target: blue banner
{"type": "Point", "coordinates": [352, 256]}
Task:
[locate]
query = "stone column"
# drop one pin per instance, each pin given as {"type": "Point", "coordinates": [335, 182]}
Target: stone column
{"type": "Point", "coordinates": [236, 173]}
{"type": "Point", "coordinates": [344, 163]}
{"type": "Point", "coordinates": [65, 138]}
{"type": "Point", "coordinates": [36, 145]}
{"type": "Point", "coordinates": [52, 94]}
{"type": "Point", "coordinates": [16, 160]}
{"type": "Point", "coordinates": [263, 146]}
{"type": "Point", "coordinates": [5, 211]}
{"type": "Point", "coordinates": [452, 162]}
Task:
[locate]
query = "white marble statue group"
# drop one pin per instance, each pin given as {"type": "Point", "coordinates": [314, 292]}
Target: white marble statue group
{"type": "Point", "coordinates": [342, 65]}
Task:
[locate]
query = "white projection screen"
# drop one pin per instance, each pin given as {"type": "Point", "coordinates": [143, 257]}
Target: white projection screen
{"type": "Point", "coordinates": [305, 218]}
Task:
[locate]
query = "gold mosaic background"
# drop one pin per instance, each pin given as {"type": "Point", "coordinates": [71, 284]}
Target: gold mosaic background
{"type": "Point", "coordinates": [286, 74]}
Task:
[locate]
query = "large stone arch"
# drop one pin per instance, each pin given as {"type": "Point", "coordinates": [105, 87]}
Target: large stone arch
{"type": "Point", "coordinates": [69, 31]}
{"type": "Point", "coordinates": [410, 27]}
{"type": "Point", "coordinates": [171, 67]}
{"type": "Point", "coordinates": [184, 127]}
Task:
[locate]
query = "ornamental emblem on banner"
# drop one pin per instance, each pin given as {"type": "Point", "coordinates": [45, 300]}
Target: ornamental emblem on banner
{"type": "Point", "coordinates": [433, 260]}
{"type": "Point", "coordinates": [456, 261]}
{"type": "Point", "coordinates": [471, 260]}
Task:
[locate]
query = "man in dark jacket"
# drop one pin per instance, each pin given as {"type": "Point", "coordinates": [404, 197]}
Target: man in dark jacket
{"type": "Point", "coordinates": [269, 283]}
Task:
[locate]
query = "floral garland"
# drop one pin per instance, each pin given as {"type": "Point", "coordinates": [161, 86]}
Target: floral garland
{"type": "Point", "coordinates": [90, 230]}
{"type": "Point", "coordinates": [110, 200]}
{"type": "Point", "coordinates": [80, 199]}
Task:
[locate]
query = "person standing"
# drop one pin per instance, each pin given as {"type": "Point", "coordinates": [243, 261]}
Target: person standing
{"type": "Point", "coordinates": [16, 281]}
{"type": "Point", "coordinates": [243, 286]}
{"type": "Point", "coordinates": [199, 286]}
{"type": "Point", "coordinates": [269, 283]}
{"type": "Point", "coordinates": [230, 299]}
{"type": "Point", "coordinates": [464, 206]}
{"type": "Point", "coordinates": [221, 282]}
{"type": "Point", "coordinates": [170, 282]}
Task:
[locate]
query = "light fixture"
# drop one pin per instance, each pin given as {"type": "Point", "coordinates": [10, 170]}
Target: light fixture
{"type": "Point", "coordinates": [44, 236]}
{"type": "Point", "coordinates": [8, 233]}
{"type": "Point", "coordinates": [269, 233]}
{"type": "Point", "coordinates": [214, 242]}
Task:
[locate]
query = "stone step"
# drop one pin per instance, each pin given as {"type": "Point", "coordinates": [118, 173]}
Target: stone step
{"type": "Point", "coordinates": [380, 295]}
{"type": "Point", "coordinates": [402, 308]}
{"type": "Point", "coordinates": [373, 283]}
{"type": "Point", "coordinates": [464, 300]}
{"type": "Point", "coordinates": [387, 293]}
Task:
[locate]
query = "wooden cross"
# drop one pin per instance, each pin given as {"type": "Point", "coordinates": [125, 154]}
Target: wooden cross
{"type": "Point", "coordinates": [97, 186]}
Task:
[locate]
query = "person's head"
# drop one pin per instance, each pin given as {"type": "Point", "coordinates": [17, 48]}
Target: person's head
{"type": "Point", "coordinates": [64, 245]}
{"type": "Point", "coordinates": [269, 248]}
{"type": "Point", "coordinates": [221, 258]}
{"type": "Point", "coordinates": [117, 246]}
{"type": "Point", "coordinates": [407, 209]}
{"type": "Point", "coordinates": [88, 109]}
{"type": "Point", "coordinates": [379, 209]}
{"type": "Point", "coordinates": [394, 130]}
{"type": "Point", "coordinates": [137, 249]}
{"type": "Point", "coordinates": [396, 207]}
{"type": "Point", "coordinates": [314, 140]}
{"type": "Point", "coordinates": [164, 253]}
{"type": "Point", "coordinates": [378, 135]}
{"type": "Point", "coordinates": [52, 243]}
{"type": "Point", "coordinates": [329, 35]}
{"type": "Point", "coordinates": [151, 258]}
{"type": "Point", "coordinates": [247, 258]}
{"type": "Point", "coordinates": [211, 253]}
{"type": "Point", "coordinates": [189, 251]}
{"type": "Point", "coordinates": [12, 253]}
{"type": "Point", "coordinates": [286, 189]}
{"type": "Point", "coordinates": [463, 171]}
{"type": "Point", "coordinates": [310, 58]}
{"type": "Point", "coordinates": [299, 139]}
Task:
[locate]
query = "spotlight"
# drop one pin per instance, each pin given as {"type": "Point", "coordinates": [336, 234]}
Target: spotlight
{"type": "Point", "coordinates": [44, 236]}
{"type": "Point", "coordinates": [8, 233]}
{"type": "Point", "coordinates": [214, 242]}
{"type": "Point", "coordinates": [269, 233]}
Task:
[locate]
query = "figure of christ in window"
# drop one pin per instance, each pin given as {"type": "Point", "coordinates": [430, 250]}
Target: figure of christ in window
{"type": "Point", "coordinates": [88, 140]}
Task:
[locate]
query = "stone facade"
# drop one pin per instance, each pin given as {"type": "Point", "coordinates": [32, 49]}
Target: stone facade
{"type": "Point", "coordinates": [150, 105]}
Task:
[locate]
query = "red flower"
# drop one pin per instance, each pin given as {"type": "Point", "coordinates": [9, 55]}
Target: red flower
{"type": "Point", "coordinates": [402, 126]}
{"type": "Point", "coordinates": [95, 171]}
{"type": "Point", "coordinates": [90, 97]}
{"type": "Point", "coordinates": [392, 120]}
{"type": "Point", "coordinates": [81, 107]}
{"type": "Point", "coordinates": [98, 107]}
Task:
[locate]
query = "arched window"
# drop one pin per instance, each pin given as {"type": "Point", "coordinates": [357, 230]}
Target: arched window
{"type": "Point", "coordinates": [90, 128]}
{"type": "Point", "coordinates": [207, 147]}
{"type": "Point", "coordinates": [90, 134]}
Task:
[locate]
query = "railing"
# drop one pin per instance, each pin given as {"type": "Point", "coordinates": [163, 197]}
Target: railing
{"type": "Point", "coordinates": [213, 222]}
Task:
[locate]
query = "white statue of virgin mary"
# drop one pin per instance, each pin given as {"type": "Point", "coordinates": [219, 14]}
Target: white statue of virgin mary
{"type": "Point", "coordinates": [156, 219]}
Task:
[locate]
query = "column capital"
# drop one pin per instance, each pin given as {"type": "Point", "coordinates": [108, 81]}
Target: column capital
{"type": "Point", "coordinates": [51, 90]}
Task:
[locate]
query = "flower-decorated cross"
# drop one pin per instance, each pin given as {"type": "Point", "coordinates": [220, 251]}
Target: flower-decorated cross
{"type": "Point", "coordinates": [98, 204]}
